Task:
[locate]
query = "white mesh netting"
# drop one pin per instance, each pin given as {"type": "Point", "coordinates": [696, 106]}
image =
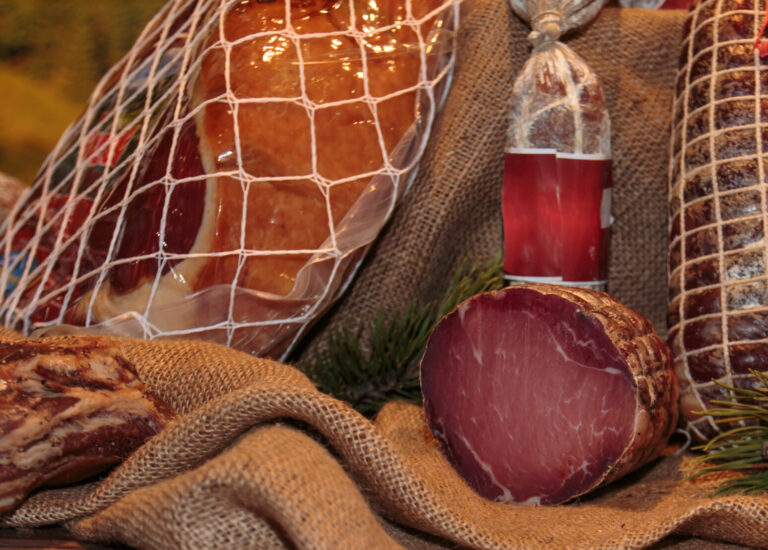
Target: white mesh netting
{"type": "Point", "coordinates": [718, 313]}
{"type": "Point", "coordinates": [228, 174]}
{"type": "Point", "coordinates": [558, 104]}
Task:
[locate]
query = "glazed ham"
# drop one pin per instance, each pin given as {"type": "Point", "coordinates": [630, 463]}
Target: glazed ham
{"type": "Point", "coordinates": [254, 197]}
{"type": "Point", "coordinates": [66, 412]}
{"type": "Point", "coordinates": [540, 393]}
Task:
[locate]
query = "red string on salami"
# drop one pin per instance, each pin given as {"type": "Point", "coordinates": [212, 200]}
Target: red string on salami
{"type": "Point", "coordinates": [762, 47]}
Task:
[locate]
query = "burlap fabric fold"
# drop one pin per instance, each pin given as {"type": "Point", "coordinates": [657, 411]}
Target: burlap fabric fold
{"type": "Point", "coordinates": [260, 459]}
{"type": "Point", "coordinates": [454, 206]}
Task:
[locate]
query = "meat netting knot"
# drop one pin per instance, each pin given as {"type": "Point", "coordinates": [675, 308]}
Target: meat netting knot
{"type": "Point", "coordinates": [547, 27]}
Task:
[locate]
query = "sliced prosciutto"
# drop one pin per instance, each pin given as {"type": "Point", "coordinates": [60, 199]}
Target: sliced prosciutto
{"type": "Point", "coordinates": [541, 393]}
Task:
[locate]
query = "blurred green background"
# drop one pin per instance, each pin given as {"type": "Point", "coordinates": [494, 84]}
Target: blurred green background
{"type": "Point", "coordinates": [52, 54]}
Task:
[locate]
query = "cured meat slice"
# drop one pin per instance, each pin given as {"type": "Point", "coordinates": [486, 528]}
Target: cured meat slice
{"type": "Point", "coordinates": [718, 283]}
{"type": "Point", "coordinates": [67, 412]}
{"type": "Point", "coordinates": [540, 393]}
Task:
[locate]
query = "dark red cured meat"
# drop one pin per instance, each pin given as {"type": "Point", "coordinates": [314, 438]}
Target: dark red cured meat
{"type": "Point", "coordinates": [67, 411]}
{"type": "Point", "coordinates": [717, 276]}
{"type": "Point", "coordinates": [144, 214]}
{"type": "Point", "coordinates": [540, 393]}
{"type": "Point", "coordinates": [139, 237]}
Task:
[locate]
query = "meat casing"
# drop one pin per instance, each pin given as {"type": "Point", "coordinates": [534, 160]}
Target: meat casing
{"type": "Point", "coordinates": [540, 393]}
{"type": "Point", "coordinates": [66, 412]}
{"type": "Point", "coordinates": [718, 301]}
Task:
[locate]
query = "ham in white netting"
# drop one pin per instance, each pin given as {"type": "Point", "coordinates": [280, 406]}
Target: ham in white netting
{"type": "Point", "coordinates": [718, 280]}
{"type": "Point", "coordinates": [228, 175]}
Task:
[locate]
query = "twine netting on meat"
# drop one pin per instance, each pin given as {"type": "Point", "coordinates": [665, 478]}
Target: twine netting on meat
{"type": "Point", "coordinates": [228, 174]}
{"type": "Point", "coordinates": [717, 274]}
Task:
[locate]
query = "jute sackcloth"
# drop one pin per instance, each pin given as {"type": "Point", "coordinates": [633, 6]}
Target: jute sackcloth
{"type": "Point", "coordinates": [260, 459]}
{"type": "Point", "coordinates": [454, 207]}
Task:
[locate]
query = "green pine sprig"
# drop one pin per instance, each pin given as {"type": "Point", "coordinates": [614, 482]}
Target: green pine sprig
{"type": "Point", "coordinates": [388, 368]}
{"type": "Point", "coordinates": [741, 449]}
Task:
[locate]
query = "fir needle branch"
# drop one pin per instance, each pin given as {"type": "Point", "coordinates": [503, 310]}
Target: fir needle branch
{"type": "Point", "coordinates": [389, 368]}
{"type": "Point", "coordinates": [741, 448]}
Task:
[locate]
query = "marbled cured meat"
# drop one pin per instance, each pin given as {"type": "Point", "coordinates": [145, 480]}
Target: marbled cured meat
{"type": "Point", "coordinates": [540, 393]}
{"type": "Point", "coordinates": [66, 412]}
{"type": "Point", "coordinates": [718, 285]}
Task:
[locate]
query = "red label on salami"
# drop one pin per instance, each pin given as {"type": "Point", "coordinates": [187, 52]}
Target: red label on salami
{"type": "Point", "coordinates": [556, 211]}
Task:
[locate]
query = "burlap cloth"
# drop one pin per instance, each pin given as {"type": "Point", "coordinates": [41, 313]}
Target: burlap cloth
{"type": "Point", "coordinates": [260, 459]}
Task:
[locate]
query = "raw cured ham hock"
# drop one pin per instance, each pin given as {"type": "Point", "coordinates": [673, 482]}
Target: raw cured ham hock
{"type": "Point", "coordinates": [68, 411]}
{"type": "Point", "coordinates": [540, 393]}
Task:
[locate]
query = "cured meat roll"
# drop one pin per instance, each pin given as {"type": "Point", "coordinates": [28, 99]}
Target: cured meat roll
{"type": "Point", "coordinates": [540, 393]}
{"type": "Point", "coordinates": [718, 298]}
{"type": "Point", "coordinates": [68, 412]}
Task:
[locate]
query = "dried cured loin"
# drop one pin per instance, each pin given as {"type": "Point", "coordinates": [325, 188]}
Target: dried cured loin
{"type": "Point", "coordinates": [540, 393]}
{"type": "Point", "coordinates": [718, 298]}
{"type": "Point", "coordinates": [68, 411]}
{"type": "Point", "coordinates": [226, 184]}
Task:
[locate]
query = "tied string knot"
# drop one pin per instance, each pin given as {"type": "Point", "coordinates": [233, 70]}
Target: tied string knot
{"type": "Point", "coordinates": [762, 47]}
{"type": "Point", "coordinates": [547, 27]}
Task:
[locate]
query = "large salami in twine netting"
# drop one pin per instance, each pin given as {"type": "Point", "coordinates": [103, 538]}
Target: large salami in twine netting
{"type": "Point", "coordinates": [228, 175]}
{"type": "Point", "coordinates": [717, 258]}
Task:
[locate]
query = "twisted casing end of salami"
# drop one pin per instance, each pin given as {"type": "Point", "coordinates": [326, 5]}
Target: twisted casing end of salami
{"type": "Point", "coordinates": [541, 393]}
